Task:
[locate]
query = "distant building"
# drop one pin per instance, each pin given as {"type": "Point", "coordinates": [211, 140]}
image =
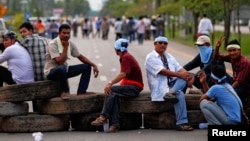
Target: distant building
{"type": "Point", "coordinates": [244, 15]}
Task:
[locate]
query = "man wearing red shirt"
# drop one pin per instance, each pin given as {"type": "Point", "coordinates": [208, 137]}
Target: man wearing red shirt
{"type": "Point", "coordinates": [240, 65]}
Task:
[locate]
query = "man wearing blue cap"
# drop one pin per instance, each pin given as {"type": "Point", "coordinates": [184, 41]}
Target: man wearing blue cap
{"type": "Point", "coordinates": [131, 84]}
{"type": "Point", "coordinates": [166, 78]}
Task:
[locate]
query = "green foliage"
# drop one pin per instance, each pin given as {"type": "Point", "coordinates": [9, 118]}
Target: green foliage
{"type": "Point", "coordinates": [118, 8]}
{"type": "Point", "coordinates": [73, 7]}
{"type": "Point", "coordinates": [115, 8]}
{"type": "Point", "coordinates": [245, 42]}
{"type": "Point", "coordinates": [16, 21]}
{"type": "Point", "coordinates": [142, 7]}
{"type": "Point", "coordinates": [171, 8]}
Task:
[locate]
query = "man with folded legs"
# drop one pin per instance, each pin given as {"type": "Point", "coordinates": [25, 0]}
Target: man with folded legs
{"type": "Point", "coordinates": [58, 51]}
{"type": "Point", "coordinates": [166, 78]}
{"type": "Point", "coordinates": [131, 84]}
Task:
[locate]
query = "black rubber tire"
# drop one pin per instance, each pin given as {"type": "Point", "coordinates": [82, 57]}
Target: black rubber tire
{"type": "Point", "coordinates": [35, 123]}
{"type": "Point", "coordinates": [164, 120]}
{"type": "Point", "coordinates": [82, 122]}
{"type": "Point", "coordinates": [94, 103]}
{"type": "Point", "coordinates": [1, 122]}
{"type": "Point", "coordinates": [29, 91]}
{"type": "Point", "coordinates": [192, 101]}
{"type": "Point", "coordinates": [167, 120]}
{"type": "Point", "coordinates": [9, 109]}
{"type": "Point", "coordinates": [74, 105]}
{"type": "Point", "coordinates": [143, 104]}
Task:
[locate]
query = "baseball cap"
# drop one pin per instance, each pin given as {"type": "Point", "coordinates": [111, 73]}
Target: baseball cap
{"type": "Point", "coordinates": [161, 39]}
{"type": "Point", "coordinates": [9, 34]}
{"type": "Point", "coordinates": [121, 44]}
{"type": "Point", "coordinates": [202, 40]}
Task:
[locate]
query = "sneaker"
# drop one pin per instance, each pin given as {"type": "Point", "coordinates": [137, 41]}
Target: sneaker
{"type": "Point", "coordinates": [86, 93]}
{"type": "Point", "coordinates": [192, 91]}
{"type": "Point", "coordinates": [184, 127]}
{"type": "Point", "coordinates": [113, 129]}
{"type": "Point", "coordinates": [170, 97]}
{"type": "Point", "coordinates": [99, 121]}
{"type": "Point", "coordinates": [65, 95]}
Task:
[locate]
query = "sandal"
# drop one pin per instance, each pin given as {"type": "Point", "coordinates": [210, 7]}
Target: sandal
{"type": "Point", "coordinates": [171, 97]}
{"type": "Point", "coordinates": [65, 95]}
{"type": "Point", "coordinates": [99, 121]}
{"type": "Point", "coordinates": [86, 93]}
{"type": "Point", "coordinates": [184, 127]}
{"type": "Point", "coordinates": [194, 91]}
{"type": "Point", "coordinates": [113, 129]}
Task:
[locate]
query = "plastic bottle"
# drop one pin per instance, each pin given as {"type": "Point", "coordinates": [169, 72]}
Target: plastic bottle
{"type": "Point", "coordinates": [38, 136]}
{"type": "Point", "coordinates": [106, 126]}
{"type": "Point", "coordinates": [203, 125]}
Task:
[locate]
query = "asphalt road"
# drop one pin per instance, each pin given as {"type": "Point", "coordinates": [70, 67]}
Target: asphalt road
{"type": "Point", "coordinates": [102, 53]}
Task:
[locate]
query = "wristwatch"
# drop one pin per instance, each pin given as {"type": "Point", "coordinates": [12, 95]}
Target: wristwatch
{"type": "Point", "coordinates": [110, 82]}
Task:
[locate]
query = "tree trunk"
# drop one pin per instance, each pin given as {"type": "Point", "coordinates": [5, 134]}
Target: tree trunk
{"type": "Point", "coordinates": [227, 19]}
{"type": "Point", "coordinates": [196, 22]}
{"type": "Point", "coordinates": [238, 24]}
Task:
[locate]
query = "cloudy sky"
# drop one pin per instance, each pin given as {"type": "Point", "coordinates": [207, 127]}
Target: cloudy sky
{"type": "Point", "coordinates": [95, 4]}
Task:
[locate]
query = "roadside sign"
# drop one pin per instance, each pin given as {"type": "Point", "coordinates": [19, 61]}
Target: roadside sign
{"type": "Point", "coordinates": [3, 10]}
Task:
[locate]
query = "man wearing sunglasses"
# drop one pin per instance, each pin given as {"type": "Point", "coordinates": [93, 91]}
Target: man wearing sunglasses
{"type": "Point", "coordinates": [203, 60]}
{"type": "Point", "coordinates": [166, 78]}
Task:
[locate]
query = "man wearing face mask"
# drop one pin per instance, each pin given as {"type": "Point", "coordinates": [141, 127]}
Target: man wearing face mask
{"type": "Point", "coordinates": [204, 60]}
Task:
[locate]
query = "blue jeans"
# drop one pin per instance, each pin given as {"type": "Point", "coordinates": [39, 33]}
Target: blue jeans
{"type": "Point", "coordinates": [140, 38]}
{"type": "Point", "coordinates": [61, 74]}
{"type": "Point", "coordinates": [214, 114]}
{"type": "Point", "coordinates": [180, 107]}
{"type": "Point", "coordinates": [111, 106]}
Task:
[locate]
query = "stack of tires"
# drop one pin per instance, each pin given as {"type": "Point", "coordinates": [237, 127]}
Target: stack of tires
{"type": "Point", "coordinates": [55, 114]}
{"type": "Point", "coordinates": [165, 118]}
{"type": "Point", "coordinates": [84, 109]}
{"type": "Point", "coordinates": [14, 109]}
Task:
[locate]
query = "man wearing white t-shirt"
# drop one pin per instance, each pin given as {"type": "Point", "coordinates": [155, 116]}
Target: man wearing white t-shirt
{"type": "Point", "coordinates": [205, 26]}
{"type": "Point", "coordinates": [20, 69]}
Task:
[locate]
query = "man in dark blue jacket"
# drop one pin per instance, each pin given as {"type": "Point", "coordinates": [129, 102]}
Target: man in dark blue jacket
{"type": "Point", "coordinates": [204, 60]}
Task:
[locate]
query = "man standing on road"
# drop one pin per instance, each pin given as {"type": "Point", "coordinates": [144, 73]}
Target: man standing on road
{"type": "Point", "coordinates": [56, 68]}
{"type": "Point", "coordinates": [131, 84]}
{"type": "Point", "coordinates": [240, 65]}
{"type": "Point", "coordinates": [167, 78]}
{"type": "Point", "coordinates": [36, 46]}
{"type": "Point", "coordinates": [205, 26]}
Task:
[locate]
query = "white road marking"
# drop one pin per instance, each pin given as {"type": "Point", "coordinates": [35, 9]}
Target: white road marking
{"type": "Point", "coordinates": [100, 65]}
{"type": "Point", "coordinates": [103, 78]}
{"type": "Point", "coordinates": [113, 69]}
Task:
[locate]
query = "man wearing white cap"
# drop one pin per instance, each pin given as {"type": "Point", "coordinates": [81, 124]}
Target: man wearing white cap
{"type": "Point", "coordinates": [131, 84]}
{"type": "Point", "coordinates": [240, 65]}
{"type": "Point", "coordinates": [166, 77]}
{"type": "Point", "coordinates": [204, 61]}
